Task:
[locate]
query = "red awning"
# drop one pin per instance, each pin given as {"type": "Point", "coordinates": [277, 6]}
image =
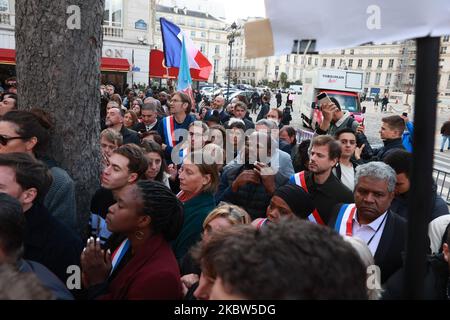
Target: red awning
{"type": "Point", "coordinates": [159, 70]}
{"type": "Point", "coordinates": [114, 64]}
{"type": "Point", "coordinates": [7, 56]}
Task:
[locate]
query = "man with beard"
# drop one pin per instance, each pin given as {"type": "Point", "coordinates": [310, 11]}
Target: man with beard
{"type": "Point", "coordinates": [324, 188]}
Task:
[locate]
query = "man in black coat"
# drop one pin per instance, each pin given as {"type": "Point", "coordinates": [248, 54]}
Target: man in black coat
{"type": "Point", "coordinates": [114, 120]}
{"type": "Point", "coordinates": [370, 219]}
{"type": "Point", "coordinates": [264, 108]}
{"type": "Point", "coordinates": [391, 132]}
{"type": "Point", "coordinates": [46, 240]}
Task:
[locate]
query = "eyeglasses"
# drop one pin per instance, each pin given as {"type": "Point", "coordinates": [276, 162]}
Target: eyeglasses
{"type": "Point", "coordinates": [5, 139]}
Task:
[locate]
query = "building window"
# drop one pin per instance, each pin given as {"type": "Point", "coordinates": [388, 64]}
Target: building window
{"type": "Point", "coordinates": [446, 38]}
{"type": "Point", "coordinates": [217, 50]}
{"type": "Point", "coordinates": [342, 51]}
{"type": "Point", "coordinates": [192, 34]}
{"type": "Point", "coordinates": [359, 63]}
{"type": "Point", "coordinates": [316, 61]}
{"type": "Point", "coordinates": [253, 74]}
{"type": "Point", "coordinates": [380, 63]}
{"type": "Point", "coordinates": [244, 74]}
{"type": "Point", "coordinates": [217, 36]}
{"type": "Point", "coordinates": [202, 24]}
{"type": "Point", "coordinates": [352, 51]}
{"type": "Point", "coordinates": [443, 50]}
{"type": "Point", "coordinates": [112, 16]}
{"type": "Point", "coordinates": [203, 34]}
{"type": "Point", "coordinates": [377, 78]}
{"type": "Point", "coordinates": [388, 79]}
{"type": "Point", "coordinates": [391, 63]}
{"type": "Point", "coordinates": [369, 63]}
{"type": "Point", "coordinates": [309, 61]}
{"type": "Point", "coordinates": [448, 82]}
{"type": "Point", "coordinates": [192, 22]}
{"type": "Point", "coordinates": [324, 63]}
{"type": "Point", "coordinates": [350, 63]}
{"type": "Point", "coordinates": [181, 21]}
{"type": "Point", "coordinates": [287, 72]}
{"type": "Point", "coordinates": [4, 5]}
{"type": "Point", "coordinates": [295, 59]}
{"type": "Point", "coordinates": [288, 57]}
{"type": "Point", "coordinates": [202, 47]}
{"type": "Point", "coordinates": [367, 77]}
{"type": "Point", "coordinates": [266, 69]}
{"type": "Point", "coordinates": [333, 62]}
{"type": "Point", "coordinates": [412, 77]}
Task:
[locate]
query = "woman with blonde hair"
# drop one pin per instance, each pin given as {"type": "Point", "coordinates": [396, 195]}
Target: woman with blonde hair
{"type": "Point", "coordinates": [223, 217]}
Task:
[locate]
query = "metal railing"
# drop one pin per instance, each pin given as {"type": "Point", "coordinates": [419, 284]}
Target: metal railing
{"type": "Point", "coordinates": [112, 32]}
{"type": "Point", "coordinates": [442, 179]}
{"type": "Point", "coordinates": [304, 135]}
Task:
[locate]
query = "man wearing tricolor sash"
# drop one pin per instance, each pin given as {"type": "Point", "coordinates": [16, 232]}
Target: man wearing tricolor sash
{"type": "Point", "coordinates": [324, 188]}
{"type": "Point", "coordinates": [180, 118]}
{"type": "Point", "coordinates": [370, 219]}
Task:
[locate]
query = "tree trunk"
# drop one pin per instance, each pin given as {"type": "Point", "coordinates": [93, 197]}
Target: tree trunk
{"type": "Point", "coordinates": [58, 70]}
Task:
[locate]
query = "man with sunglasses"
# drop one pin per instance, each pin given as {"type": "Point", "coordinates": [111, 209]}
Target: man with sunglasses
{"type": "Point", "coordinates": [350, 157]}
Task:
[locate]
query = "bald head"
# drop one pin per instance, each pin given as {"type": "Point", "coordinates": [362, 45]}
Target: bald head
{"type": "Point", "coordinates": [218, 102]}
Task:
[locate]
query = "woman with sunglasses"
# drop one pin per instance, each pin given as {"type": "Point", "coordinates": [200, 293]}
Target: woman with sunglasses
{"type": "Point", "coordinates": [29, 132]}
{"type": "Point", "coordinates": [196, 285]}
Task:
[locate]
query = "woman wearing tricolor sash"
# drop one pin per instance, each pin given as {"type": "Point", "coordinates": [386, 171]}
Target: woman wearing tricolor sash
{"type": "Point", "coordinates": [143, 267]}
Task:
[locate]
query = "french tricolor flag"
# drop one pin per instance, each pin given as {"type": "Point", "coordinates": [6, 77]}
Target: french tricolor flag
{"type": "Point", "coordinates": [173, 39]}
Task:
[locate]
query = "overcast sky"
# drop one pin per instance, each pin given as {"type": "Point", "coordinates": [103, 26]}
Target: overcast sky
{"type": "Point", "coordinates": [235, 9]}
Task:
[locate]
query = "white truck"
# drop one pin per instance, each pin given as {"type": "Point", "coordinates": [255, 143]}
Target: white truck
{"type": "Point", "coordinates": [344, 85]}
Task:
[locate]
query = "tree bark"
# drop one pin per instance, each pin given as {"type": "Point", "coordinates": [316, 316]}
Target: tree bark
{"type": "Point", "coordinates": [58, 70]}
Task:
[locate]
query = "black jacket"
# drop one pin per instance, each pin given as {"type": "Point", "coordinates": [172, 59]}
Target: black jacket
{"type": "Point", "coordinates": [435, 283]}
{"type": "Point", "coordinates": [326, 196]}
{"type": "Point", "coordinates": [50, 242]}
{"type": "Point", "coordinates": [140, 127]}
{"type": "Point", "coordinates": [265, 108]}
{"type": "Point", "coordinates": [439, 208]}
{"type": "Point", "coordinates": [392, 243]}
{"type": "Point", "coordinates": [389, 146]}
{"type": "Point", "coordinates": [130, 136]}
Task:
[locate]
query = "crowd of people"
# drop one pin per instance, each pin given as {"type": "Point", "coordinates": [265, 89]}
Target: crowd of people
{"type": "Point", "coordinates": [199, 201]}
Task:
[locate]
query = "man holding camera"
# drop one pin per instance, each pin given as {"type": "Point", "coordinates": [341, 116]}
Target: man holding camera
{"type": "Point", "coordinates": [334, 118]}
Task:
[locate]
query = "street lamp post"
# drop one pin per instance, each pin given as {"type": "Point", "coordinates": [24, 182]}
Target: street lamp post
{"type": "Point", "coordinates": [230, 37]}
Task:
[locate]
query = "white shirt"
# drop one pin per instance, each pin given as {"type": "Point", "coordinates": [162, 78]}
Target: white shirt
{"type": "Point", "coordinates": [366, 231]}
{"type": "Point", "coordinates": [348, 176]}
{"type": "Point", "coordinates": [150, 126]}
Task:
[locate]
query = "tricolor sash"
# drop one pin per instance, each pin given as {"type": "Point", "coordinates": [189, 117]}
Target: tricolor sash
{"type": "Point", "coordinates": [119, 253]}
{"type": "Point", "coordinates": [344, 221]}
{"type": "Point", "coordinates": [299, 179]}
{"type": "Point", "coordinates": [169, 130]}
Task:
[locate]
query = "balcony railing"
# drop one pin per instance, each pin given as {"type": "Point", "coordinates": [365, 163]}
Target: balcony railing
{"type": "Point", "coordinates": [112, 32]}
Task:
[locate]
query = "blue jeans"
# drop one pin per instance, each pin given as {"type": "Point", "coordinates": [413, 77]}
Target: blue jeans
{"type": "Point", "coordinates": [444, 139]}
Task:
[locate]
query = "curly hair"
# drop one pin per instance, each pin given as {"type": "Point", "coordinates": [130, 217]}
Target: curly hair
{"type": "Point", "coordinates": [163, 207]}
